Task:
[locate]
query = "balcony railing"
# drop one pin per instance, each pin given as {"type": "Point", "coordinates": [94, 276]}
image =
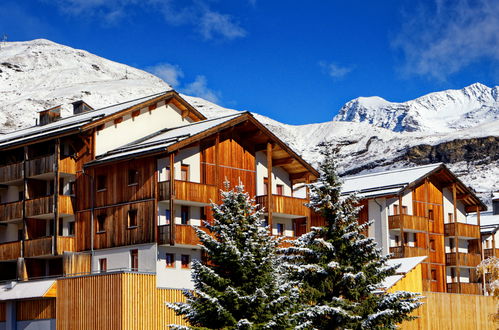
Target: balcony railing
{"type": "Point", "coordinates": [11, 211]}
{"type": "Point", "coordinates": [462, 259]}
{"type": "Point", "coordinates": [184, 234]}
{"type": "Point", "coordinates": [462, 230]}
{"type": "Point", "coordinates": [10, 251]}
{"type": "Point", "coordinates": [45, 205]}
{"type": "Point", "coordinates": [38, 247]}
{"type": "Point", "coordinates": [407, 251]}
{"type": "Point", "coordinates": [490, 252]}
{"type": "Point", "coordinates": [466, 288]}
{"type": "Point", "coordinates": [285, 205]}
{"type": "Point", "coordinates": [188, 191]}
{"type": "Point", "coordinates": [11, 172]}
{"type": "Point", "coordinates": [40, 165]}
{"type": "Point", "coordinates": [408, 222]}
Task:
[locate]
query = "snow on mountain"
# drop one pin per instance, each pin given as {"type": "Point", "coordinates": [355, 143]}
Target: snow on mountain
{"type": "Point", "coordinates": [444, 111]}
{"type": "Point", "coordinates": [39, 74]}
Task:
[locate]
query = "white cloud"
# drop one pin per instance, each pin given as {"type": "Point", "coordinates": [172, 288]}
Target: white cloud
{"type": "Point", "coordinates": [334, 70]}
{"type": "Point", "coordinates": [199, 88]}
{"type": "Point", "coordinates": [210, 24]}
{"type": "Point", "coordinates": [170, 73]}
{"type": "Point", "coordinates": [439, 40]}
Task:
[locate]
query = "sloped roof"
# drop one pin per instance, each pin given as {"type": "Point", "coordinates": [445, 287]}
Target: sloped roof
{"type": "Point", "coordinates": [386, 183]}
{"type": "Point", "coordinates": [405, 266]}
{"type": "Point", "coordinates": [25, 290]}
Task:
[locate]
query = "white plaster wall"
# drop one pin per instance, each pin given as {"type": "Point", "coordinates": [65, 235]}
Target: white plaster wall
{"type": "Point", "coordinates": [131, 129]}
{"type": "Point", "coordinates": [8, 233]}
{"type": "Point", "coordinates": [279, 176]}
{"type": "Point", "coordinates": [299, 190]}
{"type": "Point", "coordinates": [380, 225]}
{"type": "Point", "coordinates": [194, 214]}
{"type": "Point", "coordinates": [465, 275]}
{"type": "Point", "coordinates": [120, 257]}
{"type": "Point", "coordinates": [449, 207]}
{"type": "Point", "coordinates": [288, 225]}
{"type": "Point", "coordinates": [178, 277]}
{"type": "Point", "coordinates": [462, 245]}
{"type": "Point", "coordinates": [406, 201]}
{"type": "Point", "coordinates": [189, 156]}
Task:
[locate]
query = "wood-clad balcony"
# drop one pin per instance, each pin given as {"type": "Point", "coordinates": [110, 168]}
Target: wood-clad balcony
{"type": "Point", "coordinates": [407, 251]}
{"type": "Point", "coordinates": [11, 211]}
{"type": "Point", "coordinates": [463, 230]}
{"type": "Point", "coordinates": [44, 206]}
{"type": "Point", "coordinates": [10, 251]}
{"type": "Point", "coordinates": [43, 246]}
{"type": "Point", "coordinates": [188, 191]}
{"type": "Point", "coordinates": [462, 259]}
{"type": "Point", "coordinates": [40, 165]}
{"type": "Point", "coordinates": [184, 234]}
{"type": "Point", "coordinates": [490, 252]}
{"type": "Point", "coordinates": [11, 172]}
{"type": "Point", "coordinates": [408, 223]}
{"type": "Point", "coordinates": [466, 288]}
{"type": "Point", "coordinates": [284, 205]}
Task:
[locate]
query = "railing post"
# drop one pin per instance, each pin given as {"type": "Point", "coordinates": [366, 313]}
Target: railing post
{"type": "Point", "coordinates": [172, 199]}
{"type": "Point", "coordinates": [269, 185]}
{"type": "Point", "coordinates": [56, 194]}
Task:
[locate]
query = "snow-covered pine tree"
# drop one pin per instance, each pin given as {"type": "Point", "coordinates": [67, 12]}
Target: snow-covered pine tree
{"type": "Point", "coordinates": [340, 269]}
{"type": "Point", "coordinates": [239, 284]}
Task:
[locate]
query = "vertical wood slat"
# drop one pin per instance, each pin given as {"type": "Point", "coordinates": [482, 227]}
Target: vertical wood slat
{"type": "Point", "coordinates": [36, 309]}
{"type": "Point", "coordinates": [172, 199]}
{"type": "Point", "coordinates": [11, 172]}
{"type": "Point", "coordinates": [10, 251]}
{"type": "Point", "coordinates": [11, 211]}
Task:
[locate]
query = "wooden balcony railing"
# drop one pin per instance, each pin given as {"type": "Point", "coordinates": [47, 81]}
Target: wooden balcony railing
{"type": "Point", "coordinates": [184, 234]}
{"type": "Point", "coordinates": [65, 243]}
{"type": "Point", "coordinates": [407, 251]}
{"type": "Point", "coordinates": [40, 165]}
{"type": "Point", "coordinates": [45, 205]}
{"type": "Point", "coordinates": [462, 230]}
{"type": "Point", "coordinates": [462, 259]}
{"type": "Point", "coordinates": [285, 205]}
{"type": "Point", "coordinates": [38, 247]}
{"type": "Point", "coordinates": [466, 288]}
{"type": "Point", "coordinates": [409, 222]}
{"type": "Point", "coordinates": [11, 211]}
{"type": "Point", "coordinates": [11, 172]}
{"type": "Point", "coordinates": [67, 165]}
{"type": "Point", "coordinates": [490, 252]}
{"type": "Point", "coordinates": [10, 251]}
{"type": "Point", "coordinates": [188, 191]}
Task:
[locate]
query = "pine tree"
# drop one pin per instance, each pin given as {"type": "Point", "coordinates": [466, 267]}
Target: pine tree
{"type": "Point", "coordinates": [239, 284]}
{"type": "Point", "coordinates": [340, 269]}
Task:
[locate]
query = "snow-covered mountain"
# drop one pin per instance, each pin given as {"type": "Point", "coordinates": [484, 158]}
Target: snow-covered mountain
{"type": "Point", "coordinates": [444, 111]}
{"type": "Point", "coordinates": [458, 127]}
{"type": "Point", "coordinates": [39, 74]}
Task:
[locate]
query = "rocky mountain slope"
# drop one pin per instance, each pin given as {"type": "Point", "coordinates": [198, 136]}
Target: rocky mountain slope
{"type": "Point", "coordinates": [458, 127]}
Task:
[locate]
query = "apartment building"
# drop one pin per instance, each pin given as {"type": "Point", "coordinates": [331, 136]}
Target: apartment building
{"type": "Point", "coordinates": [489, 227]}
{"type": "Point", "coordinates": [422, 211]}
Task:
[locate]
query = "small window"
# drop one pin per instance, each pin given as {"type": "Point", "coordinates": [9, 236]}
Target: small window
{"type": "Point", "coordinates": [184, 215]}
{"type": "Point", "coordinates": [280, 189]}
{"type": "Point", "coordinates": [184, 173]}
{"type": "Point", "coordinates": [404, 209]}
{"type": "Point", "coordinates": [134, 260]}
{"type": "Point", "coordinates": [431, 215]}
{"type": "Point", "coordinates": [19, 234]}
{"type": "Point", "coordinates": [397, 240]}
{"type": "Point", "coordinates": [434, 274]}
{"type": "Point", "coordinates": [265, 186]}
{"type": "Point", "coordinates": [133, 177]}
{"type": "Point", "coordinates": [450, 217]}
{"type": "Point", "coordinates": [71, 228]}
{"type": "Point", "coordinates": [280, 229]}
{"type": "Point", "coordinates": [168, 217]}
{"type": "Point", "coordinates": [451, 244]}
{"type": "Point", "coordinates": [203, 213]}
{"type": "Point", "coordinates": [185, 261]}
{"type": "Point", "coordinates": [101, 223]}
{"type": "Point", "coordinates": [170, 260]}
{"type": "Point", "coordinates": [432, 245]}
{"type": "Point", "coordinates": [167, 173]}
{"type": "Point", "coordinates": [101, 182]}
{"type": "Point", "coordinates": [103, 265]}
{"type": "Point", "coordinates": [132, 218]}
{"type": "Point", "coordinates": [453, 274]}
{"type": "Point", "coordinates": [71, 190]}
{"type": "Point", "coordinates": [406, 238]}
{"type": "Point", "coordinates": [21, 195]}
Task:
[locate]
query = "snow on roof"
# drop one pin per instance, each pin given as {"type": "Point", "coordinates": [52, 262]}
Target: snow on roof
{"type": "Point", "coordinates": [67, 123]}
{"type": "Point", "coordinates": [25, 290]}
{"type": "Point", "coordinates": [386, 182]}
{"type": "Point", "coordinates": [486, 218]}
{"type": "Point", "coordinates": [406, 265]}
{"type": "Point", "coordinates": [162, 139]}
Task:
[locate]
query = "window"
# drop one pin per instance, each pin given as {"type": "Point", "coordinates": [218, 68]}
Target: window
{"type": "Point", "coordinates": [168, 217]}
{"type": "Point", "coordinates": [453, 274]}
{"type": "Point", "coordinates": [184, 172]}
{"type": "Point", "coordinates": [280, 229]}
{"type": "Point", "coordinates": [103, 265]}
{"type": "Point", "coordinates": [404, 209]}
{"type": "Point", "coordinates": [101, 182]}
{"type": "Point", "coordinates": [170, 260]}
{"type": "Point", "coordinates": [133, 177]}
{"type": "Point", "coordinates": [132, 218]}
{"type": "Point", "coordinates": [406, 238]}
{"type": "Point", "coordinates": [451, 217]}
{"type": "Point", "coordinates": [265, 186]}
{"type": "Point", "coordinates": [71, 190]}
{"type": "Point", "coordinates": [451, 244]}
{"type": "Point", "coordinates": [397, 210]}
{"type": "Point", "coordinates": [432, 245]}
{"type": "Point", "coordinates": [203, 213]}
{"type": "Point", "coordinates": [101, 223]}
{"type": "Point", "coordinates": [71, 228]}
{"type": "Point", "coordinates": [185, 260]}
{"type": "Point", "coordinates": [134, 260]}
{"type": "Point", "coordinates": [495, 207]}
{"type": "Point", "coordinates": [397, 240]}
{"type": "Point", "coordinates": [167, 173]}
{"type": "Point", "coordinates": [280, 189]}
{"type": "Point", "coordinates": [21, 195]}
{"type": "Point", "coordinates": [19, 234]}
{"type": "Point", "coordinates": [431, 215]}
{"type": "Point", "coordinates": [184, 215]}
{"type": "Point", "coordinates": [433, 274]}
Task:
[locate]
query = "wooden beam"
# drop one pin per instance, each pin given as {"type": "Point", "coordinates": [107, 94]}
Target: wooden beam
{"type": "Point", "coordinates": [299, 176]}
{"type": "Point", "coordinates": [251, 134]}
{"type": "Point", "coordinates": [172, 199]}
{"type": "Point", "coordinates": [480, 245]}
{"type": "Point", "coordinates": [402, 238]}
{"type": "Point", "coordinates": [462, 196]}
{"type": "Point", "coordinates": [454, 201]}
{"type": "Point", "coordinates": [260, 147]}
{"type": "Point", "coordinates": [269, 185]}
{"type": "Point", "coordinates": [283, 161]}
{"type": "Point", "coordinates": [56, 195]}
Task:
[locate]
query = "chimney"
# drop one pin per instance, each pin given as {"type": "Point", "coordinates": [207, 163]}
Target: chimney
{"type": "Point", "coordinates": [50, 115]}
{"type": "Point", "coordinates": [80, 107]}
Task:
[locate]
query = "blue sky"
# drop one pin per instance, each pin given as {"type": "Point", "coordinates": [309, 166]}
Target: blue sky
{"type": "Point", "coordinates": [295, 61]}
